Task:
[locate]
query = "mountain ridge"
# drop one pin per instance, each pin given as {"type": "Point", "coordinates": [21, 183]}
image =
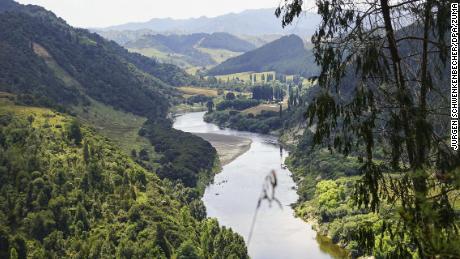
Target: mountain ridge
{"type": "Point", "coordinates": [249, 22]}
{"type": "Point", "coordinates": [104, 70]}
{"type": "Point", "coordinates": [286, 55]}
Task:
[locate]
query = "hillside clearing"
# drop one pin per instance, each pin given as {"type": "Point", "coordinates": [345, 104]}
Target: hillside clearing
{"type": "Point", "coordinates": [120, 127]}
{"type": "Point", "coordinates": [274, 107]}
{"type": "Point", "coordinates": [189, 90]}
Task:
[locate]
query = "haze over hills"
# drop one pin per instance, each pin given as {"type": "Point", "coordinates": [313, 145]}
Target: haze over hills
{"type": "Point", "coordinates": [249, 22]}
{"type": "Point", "coordinates": [196, 49]}
{"type": "Point", "coordinates": [286, 55]}
{"type": "Point", "coordinates": [47, 61]}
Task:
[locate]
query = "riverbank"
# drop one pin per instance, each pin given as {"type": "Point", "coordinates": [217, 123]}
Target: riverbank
{"type": "Point", "coordinates": [228, 147]}
{"type": "Point", "coordinates": [235, 191]}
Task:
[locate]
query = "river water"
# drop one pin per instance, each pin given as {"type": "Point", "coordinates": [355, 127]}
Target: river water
{"type": "Point", "coordinates": [233, 197]}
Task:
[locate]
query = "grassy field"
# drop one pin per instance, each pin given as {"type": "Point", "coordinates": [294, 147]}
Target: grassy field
{"type": "Point", "coordinates": [121, 127]}
{"type": "Point", "coordinates": [42, 116]}
{"type": "Point", "coordinates": [189, 90]}
{"type": "Point", "coordinates": [219, 55]}
{"type": "Point", "coordinates": [246, 76]}
{"type": "Point", "coordinates": [265, 107]}
{"type": "Point", "coordinates": [175, 59]}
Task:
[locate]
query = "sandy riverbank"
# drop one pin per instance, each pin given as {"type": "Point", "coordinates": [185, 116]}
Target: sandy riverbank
{"type": "Point", "coordinates": [228, 147]}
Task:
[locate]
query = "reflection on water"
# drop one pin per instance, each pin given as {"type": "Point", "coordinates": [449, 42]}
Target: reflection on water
{"type": "Point", "coordinates": [232, 199]}
{"type": "Point", "coordinates": [326, 245]}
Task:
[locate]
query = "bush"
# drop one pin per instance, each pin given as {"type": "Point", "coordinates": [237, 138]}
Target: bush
{"type": "Point", "coordinates": [237, 104]}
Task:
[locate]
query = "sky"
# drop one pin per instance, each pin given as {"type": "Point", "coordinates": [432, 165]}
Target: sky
{"type": "Point", "coordinates": [103, 13]}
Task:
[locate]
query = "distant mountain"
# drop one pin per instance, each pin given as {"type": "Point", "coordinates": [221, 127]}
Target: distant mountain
{"type": "Point", "coordinates": [196, 49]}
{"type": "Point", "coordinates": [221, 40]}
{"type": "Point", "coordinates": [250, 22]}
{"type": "Point", "coordinates": [286, 55]}
{"type": "Point", "coordinates": [123, 37]}
{"type": "Point", "coordinates": [47, 62]}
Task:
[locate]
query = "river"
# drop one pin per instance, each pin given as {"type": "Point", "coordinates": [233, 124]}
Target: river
{"type": "Point", "coordinates": [233, 197]}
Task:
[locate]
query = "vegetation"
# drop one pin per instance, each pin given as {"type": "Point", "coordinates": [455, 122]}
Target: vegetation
{"type": "Point", "coordinates": [67, 191]}
{"type": "Point", "coordinates": [222, 40]}
{"type": "Point", "coordinates": [198, 90]}
{"type": "Point", "coordinates": [196, 49]}
{"type": "Point", "coordinates": [186, 157]}
{"type": "Point", "coordinates": [47, 62]}
{"type": "Point", "coordinates": [264, 122]}
{"type": "Point", "coordinates": [237, 104]}
{"type": "Point", "coordinates": [61, 198]}
{"type": "Point", "coordinates": [396, 123]}
{"type": "Point", "coordinates": [262, 92]}
{"type": "Point", "coordinates": [286, 56]}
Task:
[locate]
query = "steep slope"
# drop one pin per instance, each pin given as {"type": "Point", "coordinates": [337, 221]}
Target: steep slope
{"type": "Point", "coordinates": [221, 40]}
{"type": "Point", "coordinates": [67, 192]}
{"type": "Point", "coordinates": [249, 22]}
{"type": "Point", "coordinates": [286, 55]}
{"type": "Point", "coordinates": [49, 63]}
{"type": "Point", "coordinates": [32, 38]}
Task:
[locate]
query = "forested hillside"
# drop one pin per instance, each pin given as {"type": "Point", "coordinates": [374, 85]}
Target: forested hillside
{"type": "Point", "coordinates": [373, 162]}
{"type": "Point", "coordinates": [47, 62]}
{"type": "Point", "coordinates": [68, 192]}
{"type": "Point", "coordinates": [286, 55]}
{"type": "Point", "coordinates": [76, 179]}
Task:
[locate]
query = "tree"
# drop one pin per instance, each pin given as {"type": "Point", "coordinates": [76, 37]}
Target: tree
{"type": "Point", "coordinates": [13, 254]}
{"type": "Point", "coordinates": [75, 132]}
{"type": "Point", "coordinates": [210, 106]}
{"type": "Point", "coordinates": [230, 96]}
{"type": "Point", "coordinates": [86, 155]}
{"type": "Point", "coordinates": [187, 251]}
{"type": "Point", "coordinates": [395, 102]}
{"type": "Point", "coordinates": [281, 110]}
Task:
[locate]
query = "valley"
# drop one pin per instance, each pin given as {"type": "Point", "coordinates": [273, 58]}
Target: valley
{"type": "Point", "coordinates": [295, 131]}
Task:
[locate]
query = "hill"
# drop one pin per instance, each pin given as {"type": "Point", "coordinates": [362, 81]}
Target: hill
{"type": "Point", "coordinates": [196, 49]}
{"type": "Point", "coordinates": [70, 183]}
{"type": "Point", "coordinates": [68, 192]}
{"type": "Point", "coordinates": [249, 22]}
{"type": "Point", "coordinates": [286, 55]}
{"type": "Point", "coordinates": [47, 62]}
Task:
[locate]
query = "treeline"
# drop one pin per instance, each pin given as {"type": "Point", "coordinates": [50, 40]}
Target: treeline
{"type": "Point", "coordinates": [185, 157]}
{"type": "Point", "coordinates": [268, 92]}
{"type": "Point", "coordinates": [286, 55]}
{"type": "Point", "coordinates": [237, 104]}
{"type": "Point", "coordinates": [67, 192]}
{"type": "Point", "coordinates": [200, 98]}
{"type": "Point", "coordinates": [263, 123]}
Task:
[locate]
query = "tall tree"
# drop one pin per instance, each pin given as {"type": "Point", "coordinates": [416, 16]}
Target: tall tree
{"type": "Point", "coordinates": [382, 69]}
{"type": "Point", "coordinates": [210, 106]}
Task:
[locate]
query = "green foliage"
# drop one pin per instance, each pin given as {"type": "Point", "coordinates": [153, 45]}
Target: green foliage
{"type": "Point", "coordinates": [262, 123]}
{"type": "Point", "coordinates": [237, 104]}
{"type": "Point", "coordinates": [185, 48]}
{"type": "Point", "coordinates": [286, 56]}
{"type": "Point", "coordinates": [222, 40]}
{"type": "Point", "coordinates": [200, 98]}
{"type": "Point", "coordinates": [210, 106]}
{"type": "Point", "coordinates": [184, 156]}
{"type": "Point", "coordinates": [369, 103]}
{"type": "Point", "coordinates": [74, 132]}
{"type": "Point", "coordinates": [57, 202]}
{"type": "Point", "coordinates": [262, 92]}
{"type": "Point", "coordinates": [328, 194]}
{"type": "Point", "coordinates": [47, 62]}
{"type": "Point", "coordinates": [230, 96]}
